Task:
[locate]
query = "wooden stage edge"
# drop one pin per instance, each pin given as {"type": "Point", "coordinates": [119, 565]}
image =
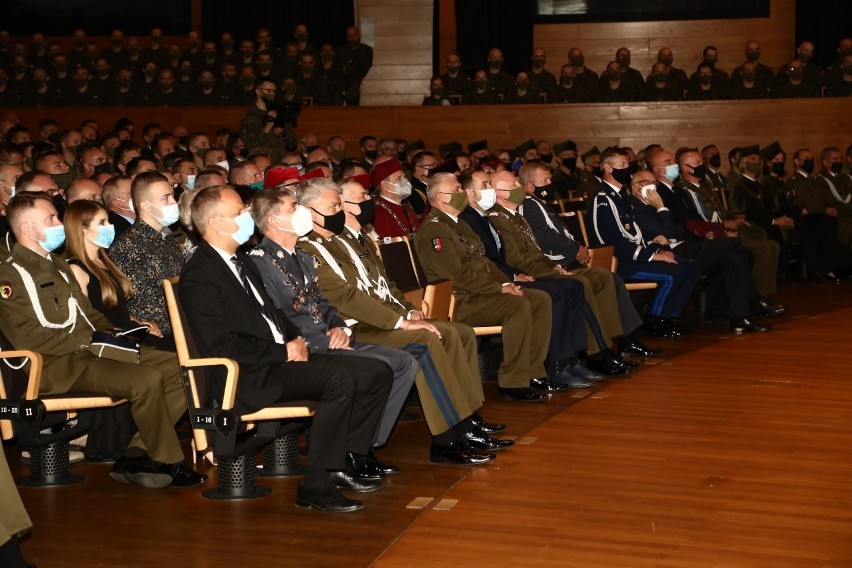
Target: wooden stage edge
{"type": "Point", "coordinates": [727, 451]}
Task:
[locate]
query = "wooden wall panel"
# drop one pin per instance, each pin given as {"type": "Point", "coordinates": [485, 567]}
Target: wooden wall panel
{"type": "Point", "coordinates": [401, 36]}
{"type": "Point", "coordinates": [686, 39]}
{"type": "Point", "coordinates": [814, 123]}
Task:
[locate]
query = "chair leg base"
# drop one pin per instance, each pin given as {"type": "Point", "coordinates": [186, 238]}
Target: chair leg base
{"type": "Point", "coordinates": [281, 457]}
{"type": "Point", "coordinates": [49, 467]}
{"type": "Point", "coordinates": [68, 479]}
{"type": "Point", "coordinates": [218, 494]}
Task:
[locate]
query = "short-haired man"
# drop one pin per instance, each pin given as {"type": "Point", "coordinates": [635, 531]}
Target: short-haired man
{"type": "Point", "coordinates": [355, 281]}
{"type": "Point", "coordinates": [261, 127]}
{"type": "Point", "coordinates": [119, 203]}
{"type": "Point", "coordinates": [227, 305]}
{"type": "Point", "coordinates": [421, 168]}
{"type": "Point", "coordinates": [640, 257]}
{"type": "Point", "coordinates": [450, 249]}
{"type": "Point", "coordinates": [147, 252]}
{"type": "Point", "coordinates": [43, 309]}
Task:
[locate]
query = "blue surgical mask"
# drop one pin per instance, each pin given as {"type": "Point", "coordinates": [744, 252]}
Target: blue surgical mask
{"type": "Point", "coordinates": [672, 171]}
{"type": "Point", "coordinates": [245, 227]}
{"type": "Point", "coordinates": [190, 181]}
{"type": "Point", "coordinates": [54, 237]}
{"type": "Point", "coordinates": [170, 214]}
{"type": "Point", "coordinates": [106, 234]}
{"type": "Point", "coordinates": [258, 185]}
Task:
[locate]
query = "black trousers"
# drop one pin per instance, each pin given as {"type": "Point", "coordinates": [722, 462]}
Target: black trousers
{"type": "Point", "coordinates": [569, 316]}
{"type": "Point", "coordinates": [351, 394]}
{"type": "Point", "coordinates": [727, 266]}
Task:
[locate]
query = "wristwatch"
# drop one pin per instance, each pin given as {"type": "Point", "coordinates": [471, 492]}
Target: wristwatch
{"type": "Point", "coordinates": [305, 339]}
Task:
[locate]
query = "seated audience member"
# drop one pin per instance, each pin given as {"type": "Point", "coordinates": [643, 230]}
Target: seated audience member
{"type": "Point", "coordinates": [815, 222]}
{"type": "Point", "coordinates": [422, 166]}
{"type": "Point", "coordinates": [837, 190]}
{"type": "Point", "coordinates": [745, 83]}
{"type": "Point", "coordinates": [147, 252]}
{"type": "Point", "coordinates": [393, 218]}
{"type": "Point", "coordinates": [354, 279]}
{"type": "Point", "coordinates": [748, 219]}
{"type": "Point", "coordinates": [227, 306]}
{"type": "Point", "coordinates": [291, 281]}
{"type": "Point", "coordinates": [706, 85]}
{"type": "Point", "coordinates": [640, 257]}
{"type": "Point", "coordinates": [153, 387]}
{"type": "Point", "coordinates": [82, 188]}
{"type": "Point", "coordinates": [449, 249]}
{"type": "Point", "coordinates": [790, 83]}
{"type": "Point", "coordinates": [660, 86]}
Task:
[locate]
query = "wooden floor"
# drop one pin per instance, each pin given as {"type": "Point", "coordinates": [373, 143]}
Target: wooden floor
{"type": "Point", "coordinates": [730, 451]}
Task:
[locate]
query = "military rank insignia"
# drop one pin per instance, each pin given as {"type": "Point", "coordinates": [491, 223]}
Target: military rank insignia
{"type": "Point", "coordinates": [6, 290]}
{"type": "Point", "coordinates": [436, 244]}
{"type": "Point", "coordinates": [316, 261]}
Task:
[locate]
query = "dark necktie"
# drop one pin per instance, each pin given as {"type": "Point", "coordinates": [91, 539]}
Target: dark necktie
{"type": "Point", "coordinates": [264, 309]}
{"type": "Point", "coordinates": [298, 273]}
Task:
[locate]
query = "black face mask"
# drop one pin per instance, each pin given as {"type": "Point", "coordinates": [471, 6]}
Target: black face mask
{"type": "Point", "coordinates": [596, 171]}
{"type": "Point", "coordinates": [633, 167]}
{"type": "Point", "coordinates": [371, 154]}
{"type": "Point", "coordinates": [699, 171]}
{"type": "Point", "coordinates": [544, 192]}
{"type": "Point", "coordinates": [778, 168]}
{"type": "Point", "coordinates": [808, 166]}
{"type": "Point", "coordinates": [836, 167]}
{"type": "Point", "coordinates": [333, 223]}
{"type": "Point", "coordinates": [546, 158]}
{"type": "Point", "coordinates": [716, 161]}
{"type": "Point", "coordinates": [622, 176]}
{"type": "Point", "coordinates": [309, 149]}
{"type": "Point", "coordinates": [569, 163]}
{"type": "Point", "coordinates": [533, 160]}
{"type": "Point", "coordinates": [368, 211]}
{"type": "Point", "coordinates": [103, 168]}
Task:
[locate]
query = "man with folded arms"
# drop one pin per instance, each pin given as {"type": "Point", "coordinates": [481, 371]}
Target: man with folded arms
{"type": "Point", "coordinates": [227, 306]}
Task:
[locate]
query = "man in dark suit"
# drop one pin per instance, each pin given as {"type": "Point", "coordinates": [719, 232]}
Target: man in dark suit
{"type": "Point", "coordinates": [119, 203]}
{"type": "Point", "coordinates": [232, 315]}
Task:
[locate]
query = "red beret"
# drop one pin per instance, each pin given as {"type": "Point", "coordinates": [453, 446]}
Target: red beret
{"type": "Point", "coordinates": [278, 175]}
{"type": "Point", "coordinates": [317, 173]}
{"type": "Point", "coordinates": [383, 171]}
{"type": "Point", "coordinates": [363, 179]}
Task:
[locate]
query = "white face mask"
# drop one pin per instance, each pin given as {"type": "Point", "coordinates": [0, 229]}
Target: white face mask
{"type": "Point", "coordinates": [170, 214]}
{"type": "Point", "coordinates": [129, 202]}
{"type": "Point", "coordinates": [301, 221]}
{"type": "Point", "coordinates": [487, 198]}
{"type": "Point", "coordinates": [224, 164]}
{"type": "Point", "coordinates": [403, 187]}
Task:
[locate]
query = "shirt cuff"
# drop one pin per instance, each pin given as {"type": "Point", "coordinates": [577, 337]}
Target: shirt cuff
{"type": "Point", "coordinates": [398, 323]}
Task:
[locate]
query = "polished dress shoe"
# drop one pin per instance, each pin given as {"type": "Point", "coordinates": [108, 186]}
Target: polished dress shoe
{"type": "Point", "coordinates": [485, 443]}
{"type": "Point", "coordinates": [620, 360]}
{"type": "Point", "coordinates": [459, 452]}
{"type": "Point", "coordinates": [585, 373]}
{"type": "Point", "coordinates": [638, 348]}
{"type": "Point", "coordinates": [662, 328]}
{"type": "Point", "coordinates": [546, 385]}
{"type": "Point", "coordinates": [608, 367]}
{"type": "Point", "coordinates": [767, 310]}
{"type": "Point", "coordinates": [569, 380]}
{"type": "Point", "coordinates": [362, 467]}
{"type": "Point", "coordinates": [484, 425]}
{"type": "Point", "coordinates": [522, 394]}
{"type": "Point", "coordinates": [383, 467]}
{"type": "Point", "coordinates": [747, 324]}
{"type": "Point", "coordinates": [141, 470]}
{"type": "Point", "coordinates": [346, 480]}
{"type": "Point", "coordinates": [184, 476]}
{"type": "Point", "coordinates": [326, 498]}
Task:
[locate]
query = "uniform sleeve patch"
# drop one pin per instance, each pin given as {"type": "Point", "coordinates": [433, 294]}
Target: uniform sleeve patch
{"type": "Point", "coordinates": [436, 244]}
{"type": "Point", "coordinates": [6, 290]}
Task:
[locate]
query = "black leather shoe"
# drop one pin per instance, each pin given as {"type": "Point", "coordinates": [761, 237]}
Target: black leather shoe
{"type": "Point", "coordinates": [546, 385]}
{"type": "Point", "coordinates": [383, 467]}
{"type": "Point", "coordinates": [362, 467]}
{"type": "Point", "coordinates": [346, 480]}
{"type": "Point", "coordinates": [484, 425]}
{"type": "Point", "coordinates": [638, 348]}
{"type": "Point", "coordinates": [747, 324]}
{"type": "Point", "coordinates": [571, 381]}
{"type": "Point", "coordinates": [184, 476]}
{"type": "Point", "coordinates": [585, 373]}
{"type": "Point", "coordinates": [522, 394]}
{"type": "Point", "coordinates": [485, 443]}
{"type": "Point", "coordinates": [608, 367]}
{"type": "Point", "coordinates": [767, 310]}
{"type": "Point", "coordinates": [459, 452]}
{"type": "Point", "coordinates": [662, 328]}
{"type": "Point", "coordinates": [142, 471]}
{"type": "Point", "coordinates": [326, 498]}
{"type": "Point", "coordinates": [618, 359]}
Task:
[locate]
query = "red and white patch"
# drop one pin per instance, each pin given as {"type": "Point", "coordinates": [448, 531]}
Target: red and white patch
{"type": "Point", "coordinates": [436, 244]}
{"type": "Point", "coordinates": [6, 290]}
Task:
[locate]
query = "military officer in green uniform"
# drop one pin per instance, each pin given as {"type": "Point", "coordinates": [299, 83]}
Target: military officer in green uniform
{"type": "Point", "coordinates": [355, 282]}
{"type": "Point", "coordinates": [837, 192]}
{"type": "Point", "coordinates": [13, 518]}
{"type": "Point", "coordinates": [449, 249]}
{"type": "Point", "coordinates": [42, 308]}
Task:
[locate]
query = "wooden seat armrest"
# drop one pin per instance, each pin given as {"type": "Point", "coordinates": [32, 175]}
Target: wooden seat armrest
{"type": "Point", "coordinates": [632, 286]}
{"type": "Point", "coordinates": [36, 362]}
{"type": "Point", "coordinates": [231, 380]}
{"type": "Point", "coordinates": [296, 409]}
{"type": "Point", "coordinates": [488, 330]}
